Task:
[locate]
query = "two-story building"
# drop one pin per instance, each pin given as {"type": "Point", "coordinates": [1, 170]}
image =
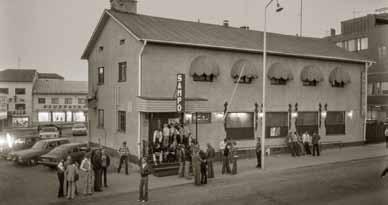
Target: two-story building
{"type": "Point", "coordinates": [134, 59]}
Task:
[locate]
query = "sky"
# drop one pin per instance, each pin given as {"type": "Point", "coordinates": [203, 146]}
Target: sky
{"type": "Point", "coordinates": [50, 35]}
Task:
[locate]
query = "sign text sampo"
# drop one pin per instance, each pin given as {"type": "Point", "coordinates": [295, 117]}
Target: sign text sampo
{"type": "Point", "coordinates": [180, 93]}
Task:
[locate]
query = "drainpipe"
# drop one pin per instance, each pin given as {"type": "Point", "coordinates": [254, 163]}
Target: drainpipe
{"type": "Point", "coordinates": [139, 93]}
{"type": "Point", "coordinates": [367, 65]}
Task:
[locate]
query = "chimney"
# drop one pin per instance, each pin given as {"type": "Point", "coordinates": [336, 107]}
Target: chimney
{"type": "Point", "coordinates": [127, 6]}
{"type": "Point", "coordinates": [332, 32]}
{"type": "Point", "coordinates": [226, 23]}
{"type": "Point", "coordinates": [244, 27]}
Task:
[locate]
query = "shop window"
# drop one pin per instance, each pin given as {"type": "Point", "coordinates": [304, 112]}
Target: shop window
{"type": "Point", "coordinates": [79, 117]}
{"type": "Point", "coordinates": [122, 71]}
{"type": "Point", "coordinates": [44, 117]}
{"type": "Point", "coordinates": [59, 117]}
{"type": "Point", "coordinates": [20, 91]}
{"type": "Point", "coordinates": [100, 73]}
{"type": "Point", "coordinates": [69, 116]}
{"type": "Point", "coordinates": [68, 101]}
{"type": "Point", "coordinates": [203, 78]}
{"type": "Point", "coordinates": [203, 117]}
{"type": "Point", "coordinates": [121, 121]}
{"type": "Point", "coordinates": [362, 44]}
{"type": "Point", "coordinates": [20, 121]}
{"type": "Point", "coordinates": [100, 123]}
{"type": "Point", "coordinates": [307, 121]}
{"type": "Point", "coordinates": [278, 81]}
{"type": "Point", "coordinates": [4, 91]}
{"type": "Point", "coordinates": [276, 124]}
{"type": "Point", "coordinates": [239, 126]}
{"type": "Point", "coordinates": [335, 123]}
{"type": "Point", "coordinates": [41, 100]}
{"type": "Point", "coordinates": [54, 100]}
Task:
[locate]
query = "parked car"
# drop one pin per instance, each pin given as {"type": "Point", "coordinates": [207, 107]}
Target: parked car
{"type": "Point", "coordinates": [79, 129]}
{"type": "Point", "coordinates": [31, 156]}
{"type": "Point", "coordinates": [9, 143]}
{"type": "Point", "coordinates": [49, 132]}
{"type": "Point", "coordinates": [77, 152]}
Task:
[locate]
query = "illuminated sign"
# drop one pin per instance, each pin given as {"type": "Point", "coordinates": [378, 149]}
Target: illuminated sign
{"type": "Point", "coordinates": [180, 93]}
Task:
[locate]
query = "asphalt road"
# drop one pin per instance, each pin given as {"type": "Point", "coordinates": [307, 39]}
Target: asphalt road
{"type": "Point", "coordinates": [353, 182]}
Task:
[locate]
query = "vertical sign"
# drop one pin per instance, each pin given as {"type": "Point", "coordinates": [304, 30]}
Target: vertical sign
{"type": "Point", "coordinates": [180, 93]}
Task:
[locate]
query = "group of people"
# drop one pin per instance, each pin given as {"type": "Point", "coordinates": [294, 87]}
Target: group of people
{"type": "Point", "coordinates": [93, 167]}
{"type": "Point", "coordinates": [228, 151]}
{"type": "Point", "coordinates": [300, 145]}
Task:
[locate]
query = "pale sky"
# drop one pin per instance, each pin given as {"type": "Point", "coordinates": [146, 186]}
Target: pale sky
{"type": "Point", "coordinates": [50, 35]}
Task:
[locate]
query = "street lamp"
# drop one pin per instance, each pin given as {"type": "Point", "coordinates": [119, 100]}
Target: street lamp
{"type": "Point", "coordinates": [278, 9]}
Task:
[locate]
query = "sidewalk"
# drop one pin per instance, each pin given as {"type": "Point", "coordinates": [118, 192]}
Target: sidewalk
{"type": "Point", "coordinates": [121, 183]}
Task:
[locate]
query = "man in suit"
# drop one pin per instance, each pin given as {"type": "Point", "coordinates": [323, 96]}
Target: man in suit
{"type": "Point", "coordinates": [105, 162]}
{"type": "Point", "coordinates": [97, 168]}
{"type": "Point", "coordinates": [145, 170]}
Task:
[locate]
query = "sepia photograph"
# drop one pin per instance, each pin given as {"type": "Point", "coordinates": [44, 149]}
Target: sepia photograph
{"type": "Point", "coordinates": [194, 102]}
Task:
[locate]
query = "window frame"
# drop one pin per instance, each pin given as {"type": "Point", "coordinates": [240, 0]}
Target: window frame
{"type": "Point", "coordinates": [53, 101]}
{"type": "Point", "coordinates": [122, 41]}
{"type": "Point", "coordinates": [275, 81]}
{"type": "Point", "coordinates": [122, 71]}
{"type": "Point", "coordinates": [203, 78]}
{"type": "Point", "coordinates": [100, 118]}
{"type": "Point", "coordinates": [67, 101]}
{"type": "Point", "coordinates": [283, 129]}
{"type": "Point", "coordinates": [335, 128]}
{"type": "Point", "coordinates": [240, 133]}
{"type": "Point", "coordinates": [121, 121]}
{"type": "Point", "coordinates": [42, 101]}
{"type": "Point", "coordinates": [17, 91]}
{"type": "Point", "coordinates": [100, 75]}
{"type": "Point", "coordinates": [4, 89]}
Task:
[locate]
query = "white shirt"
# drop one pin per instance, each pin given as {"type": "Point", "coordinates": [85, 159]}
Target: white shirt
{"type": "Point", "coordinates": [61, 166]}
{"type": "Point", "coordinates": [166, 132]}
{"type": "Point", "coordinates": [88, 165]}
{"type": "Point", "coordinates": [222, 145]}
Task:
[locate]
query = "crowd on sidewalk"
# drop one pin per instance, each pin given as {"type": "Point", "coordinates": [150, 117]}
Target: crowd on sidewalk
{"type": "Point", "coordinates": [300, 145]}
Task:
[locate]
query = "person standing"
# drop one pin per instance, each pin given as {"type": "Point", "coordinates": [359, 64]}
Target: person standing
{"type": "Point", "coordinates": [187, 162]}
{"type": "Point", "coordinates": [315, 142]}
{"type": "Point", "coordinates": [61, 177]}
{"type": "Point", "coordinates": [86, 167]}
{"type": "Point", "coordinates": [225, 158]}
{"type": "Point", "coordinates": [181, 159]}
{"type": "Point", "coordinates": [105, 162]}
{"type": "Point", "coordinates": [306, 142]}
{"type": "Point", "coordinates": [295, 144]}
{"type": "Point", "coordinates": [211, 155]}
{"type": "Point", "coordinates": [290, 144]}
{"type": "Point", "coordinates": [386, 137]}
{"type": "Point", "coordinates": [196, 160]}
{"type": "Point", "coordinates": [145, 170]}
{"type": "Point", "coordinates": [258, 152]}
{"type": "Point", "coordinates": [203, 160]}
{"type": "Point", "coordinates": [70, 175]}
{"type": "Point", "coordinates": [124, 154]}
{"type": "Point", "coordinates": [97, 167]}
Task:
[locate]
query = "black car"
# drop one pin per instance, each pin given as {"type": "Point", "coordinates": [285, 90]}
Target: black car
{"type": "Point", "coordinates": [31, 156]}
{"type": "Point", "coordinates": [77, 152]}
{"type": "Point", "coordinates": [16, 143]}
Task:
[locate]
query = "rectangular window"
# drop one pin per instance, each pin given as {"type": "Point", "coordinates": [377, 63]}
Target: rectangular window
{"type": "Point", "coordinates": [352, 45]}
{"type": "Point", "coordinates": [81, 101]}
{"type": "Point", "coordinates": [364, 43]}
{"type": "Point", "coordinates": [335, 123]}
{"type": "Point", "coordinates": [278, 81]}
{"type": "Point", "coordinates": [4, 91]}
{"type": "Point", "coordinates": [203, 78]}
{"type": "Point", "coordinates": [276, 124]}
{"type": "Point", "coordinates": [122, 71]}
{"type": "Point", "coordinates": [122, 41]}
{"type": "Point", "coordinates": [339, 44]}
{"type": "Point", "coordinates": [20, 106]}
{"type": "Point", "coordinates": [203, 117]}
{"type": "Point", "coordinates": [382, 51]}
{"type": "Point", "coordinates": [41, 100]}
{"type": "Point", "coordinates": [68, 101]}
{"type": "Point", "coordinates": [239, 126]}
{"type": "Point", "coordinates": [44, 117]}
{"type": "Point", "coordinates": [100, 116]}
{"type": "Point", "coordinates": [54, 100]}
{"type": "Point", "coordinates": [69, 116]}
{"type": "Point", "coordinates": [121, 121]}
{"type": "Point", "coordinates": [20, 91]}
{"type": "Point", "coordinates": [307, 121]}
{"type": "Point", "coordinates": [79, 117]}
{"type": "Point", "coordinates": [100, 71]}
{"type": "Point", "coordinates": [59, 116]}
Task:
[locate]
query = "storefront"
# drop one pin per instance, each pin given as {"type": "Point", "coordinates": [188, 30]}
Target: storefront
{"type": "Point", "coordinates": [61, 116]}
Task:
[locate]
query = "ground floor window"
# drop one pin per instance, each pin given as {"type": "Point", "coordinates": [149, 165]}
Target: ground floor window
{"type": "Point", "coordinates": [335, 123]}
{"type": "Point", "coordinates": [239, 125]}
{"type": "Point", "coordinates": [59, 117]}
{"type": "Point", "coordinates": [69, 116]}
{"type": "Point", "coordinates": [307, 121]}
{"type": "Point", "coordinates": [20, 121]}
{"type": "Point", "coordinates": [276, 124]}
{"type": "Point", "coordinates": [79, 117]}
{"type": "Point", "coordinates": [44, 117]}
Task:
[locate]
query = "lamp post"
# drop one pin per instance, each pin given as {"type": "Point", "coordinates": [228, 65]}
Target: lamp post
{"type": "Point", "coordinates": [278, 9]}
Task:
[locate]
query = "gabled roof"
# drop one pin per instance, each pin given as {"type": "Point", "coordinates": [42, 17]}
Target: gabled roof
{"type": "Point", "coordinates": [61, 87]}
{"type": "Point", "coordinates": [50, 76]}
{"type": "Point", "coordinates": [179, 32]}
{"type": "Point", "coordinates": [17, 75]}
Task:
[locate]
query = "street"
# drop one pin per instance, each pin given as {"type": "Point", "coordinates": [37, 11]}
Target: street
{"type": "Point", "coordinates": [353, 182]}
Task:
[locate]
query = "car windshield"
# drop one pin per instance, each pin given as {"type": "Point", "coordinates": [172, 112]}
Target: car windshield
{"type": "Point", "coordinates": [39, 145]}
{"type": "Point", "coordinates": [49, 129]}
{"type": "Point", "coordinates": [79, 126]}
{"type": "Point", "coordinates": [59, 150]}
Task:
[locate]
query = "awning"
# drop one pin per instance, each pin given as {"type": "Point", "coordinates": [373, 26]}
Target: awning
{"type": "Point", "coordinates": [168, 104]}
{"type": "Point", "coordinates": [311, 73]}
{"type": "Point", "coordinates": [247, 68]}
{"type": "Point", "coordinates": [339, 75]}
{"type": "Point", "coordinates": [279, 71]}
{"type": "Point", "coordinates": [203, 65]}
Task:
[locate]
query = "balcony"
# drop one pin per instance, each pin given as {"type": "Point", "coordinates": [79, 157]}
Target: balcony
{"type": "Point", "coordinates": [17, 112]}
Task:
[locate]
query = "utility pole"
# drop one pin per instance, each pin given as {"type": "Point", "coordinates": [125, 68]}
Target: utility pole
{"type": "Point", "coordinates": [301, 18]}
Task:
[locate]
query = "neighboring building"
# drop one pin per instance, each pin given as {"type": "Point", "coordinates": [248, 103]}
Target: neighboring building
{"type": "Point", "coordinates": [17, 85]}
{"type": "Point", "coordinates": [134, 61]}
{"type": "Point", "coordinates": [368, 36]}
{"type": "Point", "coordinates": [57, 101]}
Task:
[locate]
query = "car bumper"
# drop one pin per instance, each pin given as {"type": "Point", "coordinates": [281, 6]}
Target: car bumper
{"type": "Point", "coordinates": [79, 133]}
{"type": "Point", "coordinates": [48, 164]}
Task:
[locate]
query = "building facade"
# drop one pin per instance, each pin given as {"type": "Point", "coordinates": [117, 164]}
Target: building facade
{"type": "Point", "coordinates": [134, 60]}
{"type": "Point", "coordinates": [368, 36]}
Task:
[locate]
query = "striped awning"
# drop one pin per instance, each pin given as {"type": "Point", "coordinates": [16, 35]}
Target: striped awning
{"type": "Point", "coordinates": [279, 71]}
{"type": "Point", "coordinates": [245, 68]}
{"type": "Point", "coordinates": [168, 104]}
{"type": "Point", "coordinates": [339, 75]}
{"type": "Point", "coordinates": [203, 65]}
{"type": "Point", "coordinates": [311, 73]}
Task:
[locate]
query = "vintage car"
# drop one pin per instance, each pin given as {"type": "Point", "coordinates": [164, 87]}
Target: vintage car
{"type": "Point", "coordinates": [79, 129]}
{"type": "Point", "coordinates": [31, 156]}
{"type": "Point", "coordinates": [49, 132]}
{"type": "Point", "coordinates": [10, 143]}
{"type": "Point", "coordinates": [75, 150]}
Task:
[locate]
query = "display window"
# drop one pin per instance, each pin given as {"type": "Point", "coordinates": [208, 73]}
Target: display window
{"type": "Point", "coordinates": [79, 117]}
{"type": "Point", "coordinates": [59, 117]}
{"type": "Point", "coordinates": [20, 121]}
{"type": "Point", "coordinates": [44, 117]}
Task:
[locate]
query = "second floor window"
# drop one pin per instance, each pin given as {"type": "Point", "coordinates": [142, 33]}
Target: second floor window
{"type": "Point", "coordinates": [121, 121]}
{"type": "Point", "coordinates": [4, 91]}
{"type": "Point", "coordinates": [20, 106]}
{"type": "Point", "coordinates": [81, 101]}
{"type": "Point", "coordinates": [41, 100]}
{"type": "Point", "coordinates": [100, 122]}
{"type": "Point", "coordinates": [122, 71]}
{"type": "Point", "coordinates": [20, 91]}
{"type": "Point", "coordinates": [68, 101]}
{"type": "Point", "coordinates": [100, 74]}
{"type": "Point", "coordinates": [54, 100]}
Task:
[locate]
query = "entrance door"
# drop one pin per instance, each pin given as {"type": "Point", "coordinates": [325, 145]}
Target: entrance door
{"type": "Point", "coordinates": [157, 120]}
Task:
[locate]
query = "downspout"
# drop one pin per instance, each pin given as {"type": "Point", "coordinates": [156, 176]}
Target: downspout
{"type": "Point", "coordinates": [139, 93]}
{"type": "Point", "coordinates": [367, 65]}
